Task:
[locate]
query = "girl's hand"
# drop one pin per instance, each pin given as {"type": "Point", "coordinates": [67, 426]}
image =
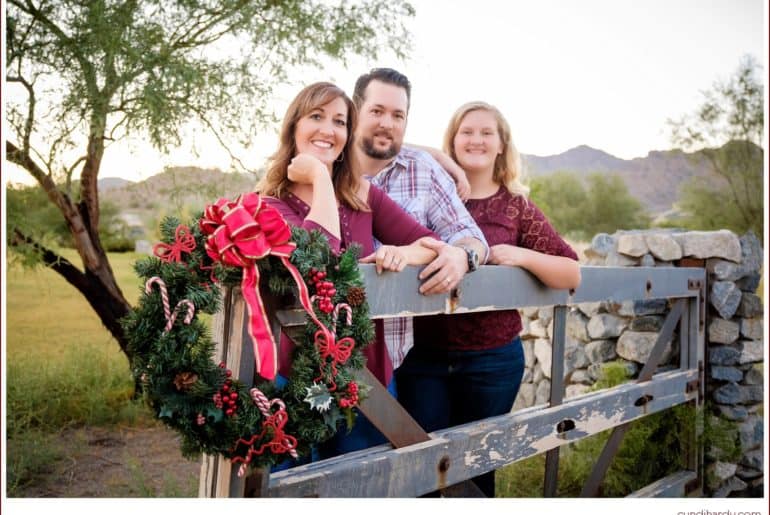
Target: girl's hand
{"type": "Point", "coordinates": [306, 169]}
{"type": "Point", "coordinates": [387, 257]}
{"type": "Point", "coordinates": [505, 254]}
{"type": "Point", "coordinates": [463, 186]}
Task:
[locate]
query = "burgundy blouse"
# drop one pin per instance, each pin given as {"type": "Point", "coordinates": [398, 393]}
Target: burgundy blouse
{"type": "Point", "coordinates": [503, 218]}
{"type": "Point", "coordinates": [387, 222]}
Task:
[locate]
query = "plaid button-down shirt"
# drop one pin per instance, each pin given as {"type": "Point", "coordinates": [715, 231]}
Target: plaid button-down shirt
{"type": "Point", "coordinates": [426, 191]}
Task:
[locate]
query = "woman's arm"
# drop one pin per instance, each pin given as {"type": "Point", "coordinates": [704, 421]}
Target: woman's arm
{"type": "Point", "coordinates": [395, 258]}
{"type": "Point", "coordinates": [453, 169]}
{"type": "Point", "coordinates": [554, 271]}
{"type": "Point", "coordinates": [305, 169]}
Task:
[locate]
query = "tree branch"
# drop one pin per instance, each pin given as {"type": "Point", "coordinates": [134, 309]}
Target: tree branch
{"type": "Point", "coordinates": [54, 261]}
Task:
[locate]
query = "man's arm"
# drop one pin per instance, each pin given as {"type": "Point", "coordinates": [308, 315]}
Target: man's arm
{"type": "Point", "coordinates": [448, 217]}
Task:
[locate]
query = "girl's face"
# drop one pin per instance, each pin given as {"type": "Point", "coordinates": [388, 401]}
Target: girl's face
{"type": "Point", "coordinates": [477, 142]}
{"type": "Point", "coordinates": [323, 132]}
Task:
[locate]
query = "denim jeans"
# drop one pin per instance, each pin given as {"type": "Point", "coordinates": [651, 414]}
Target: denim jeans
{"type": "Point", "coordinates": [441, 388]}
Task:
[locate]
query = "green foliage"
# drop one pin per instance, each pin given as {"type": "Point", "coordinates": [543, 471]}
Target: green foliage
{"type": "Point", "coordinates": [151, 67]}
{"type": "Point", "coordinates": [159, 356]}
{"type": "Point", "coordinates": [578, 210]}
{"type": "Point", "coordinates": [729, 128]}
{"type": "Point", "coordinates": [30, 211]}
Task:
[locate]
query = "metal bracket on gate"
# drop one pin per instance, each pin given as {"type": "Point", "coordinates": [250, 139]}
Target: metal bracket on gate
{"type": "Point", "coordinates": [700, 285]}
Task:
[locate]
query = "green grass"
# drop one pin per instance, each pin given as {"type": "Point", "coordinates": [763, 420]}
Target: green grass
{"type": "Point", "coordinates": [63, 367]}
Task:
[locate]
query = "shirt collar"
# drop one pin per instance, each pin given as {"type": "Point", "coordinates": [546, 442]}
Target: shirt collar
{"type": "Point", "coordinates": [398, 164]}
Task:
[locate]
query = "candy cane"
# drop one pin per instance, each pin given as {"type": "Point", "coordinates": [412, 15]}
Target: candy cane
{"type": "Point", "coordinates": [170, 317]}
{"type": "Point", "coordinates": [348, 318]}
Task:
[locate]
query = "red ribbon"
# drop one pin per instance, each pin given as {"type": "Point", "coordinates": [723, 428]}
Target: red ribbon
{"type": "Point", "coordinates": [329, 347]}
{"type": "Point", "coordinates": [240, 233]}
{"type": "Point", "coordinates": [183, 242]}
{"type": "Point", "coordinates": [279, 444]}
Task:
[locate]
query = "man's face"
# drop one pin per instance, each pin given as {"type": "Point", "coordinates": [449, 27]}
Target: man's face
{"type": "Point", "coordinates": [382, 120]}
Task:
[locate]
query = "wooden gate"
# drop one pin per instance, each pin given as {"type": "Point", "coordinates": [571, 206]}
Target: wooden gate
{"type": "Point", "coordinates": [416, 463]}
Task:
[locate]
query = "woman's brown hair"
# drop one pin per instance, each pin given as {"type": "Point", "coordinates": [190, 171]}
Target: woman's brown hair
{"type": "Point", "coordinates": [276, 183]}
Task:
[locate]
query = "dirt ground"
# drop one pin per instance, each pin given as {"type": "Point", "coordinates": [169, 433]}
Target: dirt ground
{"type": "Point", "coordinates": [119, 462]}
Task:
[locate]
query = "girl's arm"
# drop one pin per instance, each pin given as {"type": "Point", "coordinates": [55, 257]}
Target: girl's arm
{"type": "Point", "coordinates": [554, 271]}
{"type": "Point", "coordinates": [453, 169]}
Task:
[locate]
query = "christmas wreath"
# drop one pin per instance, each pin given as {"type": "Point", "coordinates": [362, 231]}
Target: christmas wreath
{"type": "Point", "coordinates": [233, 243]}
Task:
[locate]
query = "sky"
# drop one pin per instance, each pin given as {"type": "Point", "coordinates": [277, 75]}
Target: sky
{"type": "Point", "coordinates": [608, 74]}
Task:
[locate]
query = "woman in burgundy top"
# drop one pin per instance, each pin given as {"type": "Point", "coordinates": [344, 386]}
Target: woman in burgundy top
{"type": "Point", "coordinates": [311, 182]}
{"type": "Point", "coordinates": [469, 366]}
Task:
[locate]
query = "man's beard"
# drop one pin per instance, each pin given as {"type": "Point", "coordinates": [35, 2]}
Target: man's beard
{"type": "Point", "coordinates": [367, 144]}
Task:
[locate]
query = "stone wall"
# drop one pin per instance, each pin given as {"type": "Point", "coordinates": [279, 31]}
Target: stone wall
{"type": "Point", "coordinates": [626, 332]}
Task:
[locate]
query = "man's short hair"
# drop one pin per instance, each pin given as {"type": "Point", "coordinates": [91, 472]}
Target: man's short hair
{"type": "Point", "coordinates": [386, 75]}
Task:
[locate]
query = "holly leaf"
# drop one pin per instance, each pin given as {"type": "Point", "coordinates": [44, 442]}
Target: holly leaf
{"type": "Point", "coordinates": [331, 417]}
{"type": "Point", "coordinates": [350, 418]}
{"type": "Point", "coordinates": [318, 397]}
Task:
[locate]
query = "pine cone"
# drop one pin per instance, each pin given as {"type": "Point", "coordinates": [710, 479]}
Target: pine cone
{"type": "Point", "coordinates": [356, 296]}
{"type": "Point", "coordinates": [184, 380]}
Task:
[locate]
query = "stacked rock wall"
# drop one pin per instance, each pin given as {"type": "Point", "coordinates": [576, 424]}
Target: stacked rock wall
{"type": "Point", "coordinates": [626, 332]}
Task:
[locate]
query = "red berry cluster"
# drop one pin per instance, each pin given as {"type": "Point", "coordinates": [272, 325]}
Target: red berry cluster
{"type": "Point", "coordinates": [324, 290]}
{"type": "Point", "coordinates": [352, 396]}
{"type": "Point", "coordinates": [226, 395]}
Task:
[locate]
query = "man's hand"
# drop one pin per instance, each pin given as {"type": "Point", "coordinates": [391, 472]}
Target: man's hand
{"type": "Point", "coordinates": [444, 272]}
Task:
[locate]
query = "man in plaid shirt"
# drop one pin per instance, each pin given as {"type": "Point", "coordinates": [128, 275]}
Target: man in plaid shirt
{"type": "Point", "coordinates": [419, 185]}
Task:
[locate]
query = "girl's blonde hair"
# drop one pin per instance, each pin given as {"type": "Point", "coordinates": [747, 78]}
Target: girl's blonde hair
{"type": "Point", "coordinates": [276, 182]}
{"type": "Point", "coordinates": [508, 169]}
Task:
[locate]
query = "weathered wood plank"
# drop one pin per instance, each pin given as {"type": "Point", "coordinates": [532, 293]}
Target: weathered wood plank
{"type": "Point", "coordinates": [218, 475]}
{"type": "Point", "coordinates": [495, 288]}
{"type": "Point", "coordinates": [673, 485]}
{"type": "Point", "coordinates": [557, 393]}
{"type": "Point", "coordinates": [472, 449]}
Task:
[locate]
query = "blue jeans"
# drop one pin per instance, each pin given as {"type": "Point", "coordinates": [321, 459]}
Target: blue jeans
{"type": "Point", "coordinates": [441, 388]}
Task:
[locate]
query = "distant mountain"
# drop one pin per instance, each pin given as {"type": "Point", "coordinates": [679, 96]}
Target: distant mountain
{"type": "Point", "coordinates": [654, 180]}
{"type": "Point", "coordinates": [112, 183]}
{"type": "Point", "coordinates": [174, 189]}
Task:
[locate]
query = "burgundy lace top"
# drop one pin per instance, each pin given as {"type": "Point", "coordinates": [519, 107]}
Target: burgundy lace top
{"type": "Point", "coordinates": [503, 218]}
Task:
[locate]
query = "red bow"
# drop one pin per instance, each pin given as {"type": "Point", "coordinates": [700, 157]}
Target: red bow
{"type": "Point", "coordinates": [240, 233]}
{"type": "Point", "coordinates": [183, 242]}
{"type": "Point", "coordinates": [279, 444]}
{"type": "Point", "coordinates": [329, 347]}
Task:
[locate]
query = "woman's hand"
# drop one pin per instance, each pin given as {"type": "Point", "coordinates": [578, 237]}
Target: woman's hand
{"type": "Point", "coordinates": [387, 257]}
{"type": "Point", "coordinates": [505, 254]}
{"type": "Point", "coordinates": [306, 169]}
{"type": "Point", "coordinates": [463, 186]}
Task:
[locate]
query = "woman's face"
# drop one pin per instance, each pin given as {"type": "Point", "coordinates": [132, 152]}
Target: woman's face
{"type": "Point", "coordinates": [323, 132]}
{"type": "Point", "coordinates": [477, 142]}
